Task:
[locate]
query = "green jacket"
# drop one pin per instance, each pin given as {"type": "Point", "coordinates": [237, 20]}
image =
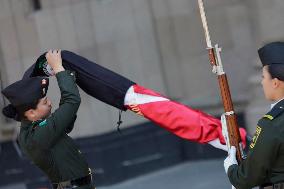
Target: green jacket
{"type": "Point", "coordinates": [265, 159]}
{"type": "Point", "coordinates": [46, 142]}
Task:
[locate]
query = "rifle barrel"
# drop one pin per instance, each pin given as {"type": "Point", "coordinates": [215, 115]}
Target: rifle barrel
{"type": "Point", "coordinates": [204, 23]}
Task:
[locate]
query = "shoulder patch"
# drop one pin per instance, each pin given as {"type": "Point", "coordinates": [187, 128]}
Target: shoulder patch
{"type": "Point", "coordinates": [255, 137]}
{"type": "Point", "coordinates": [276, 111]}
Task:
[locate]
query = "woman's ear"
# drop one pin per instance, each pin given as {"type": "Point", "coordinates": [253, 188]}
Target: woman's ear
{"type": "Point", "coordinates": [275, 83]}
{"type": "Point", "coordinates": [30, 114]}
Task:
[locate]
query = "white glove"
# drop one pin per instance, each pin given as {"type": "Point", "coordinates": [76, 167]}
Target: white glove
{"type": "Point", "coordinates": [231, 159]}
{"type": "Point", "coordinates": [217, 144]}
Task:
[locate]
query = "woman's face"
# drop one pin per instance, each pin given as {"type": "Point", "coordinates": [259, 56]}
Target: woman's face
{"type": "Point", "coordinates": [42, 111]}
{"type": "Point", "coordinates": [44, 108]}
{"type": "Point", "coordinates": [267, 84]}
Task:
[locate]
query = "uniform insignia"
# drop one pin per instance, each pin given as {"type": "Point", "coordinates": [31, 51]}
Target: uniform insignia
{"type": "Point", "coordinates": [43, 123]}
{"type": "Point", "coordinates": [276, 111]}
{"type": "Point", "coordinates": [268, 117]}
{"type": "Point", "coordinates": [43, 81]}
{"type": "Point", "coordinates": [40, 123]}
{"type": "Point", "coordinates": [44, 86]}
{"type": "Point", "coordinates": [255, 137]}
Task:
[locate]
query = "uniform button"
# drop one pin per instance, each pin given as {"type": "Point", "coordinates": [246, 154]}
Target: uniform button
{"type": "Point", "coordinates": [72, 74]}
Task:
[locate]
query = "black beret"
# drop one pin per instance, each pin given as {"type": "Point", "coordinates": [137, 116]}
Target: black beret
{"type": "Point", "coordinates": [272, 53]}
{"type": "Point", "coordinates": [26, 91]}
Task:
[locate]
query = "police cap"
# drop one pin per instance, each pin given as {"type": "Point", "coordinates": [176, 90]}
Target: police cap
{"type": "Point", "coordinates": [26, 91]}
{"type": "Point", "coordinates": [272, 53]}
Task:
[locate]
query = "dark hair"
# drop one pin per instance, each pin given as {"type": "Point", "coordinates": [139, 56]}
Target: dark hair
{"type": "Point", "coordinates": [18, 112]}
{"type": "Point", "coordinates": [276, 71]}
{"type": "Point", "coordinates": [11, 112]}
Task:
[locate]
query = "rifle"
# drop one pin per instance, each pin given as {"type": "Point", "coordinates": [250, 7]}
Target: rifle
{"type": "Point", "coordinates": [229, 120]}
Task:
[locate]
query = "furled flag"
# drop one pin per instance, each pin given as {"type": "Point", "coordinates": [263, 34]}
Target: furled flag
{"type": "Point", "coordinates": [122, 93]}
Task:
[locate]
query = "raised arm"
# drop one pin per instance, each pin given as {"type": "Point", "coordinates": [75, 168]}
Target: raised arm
{"type": "Point", "coordinates": [64, 116]}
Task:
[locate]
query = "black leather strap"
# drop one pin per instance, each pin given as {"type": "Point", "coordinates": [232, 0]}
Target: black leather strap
{"type": "Point", "coordinates": [272, 186]}
{"type": "Point", "coordinates": [82, 181]}
{"type": "Point", "coordinates": [278, 186]}
{"type": "Point", "coordinates": [73, 183]}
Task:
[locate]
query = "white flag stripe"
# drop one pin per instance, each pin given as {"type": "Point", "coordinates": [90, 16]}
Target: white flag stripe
{"type": "Point", "coordinates": [135, 98]}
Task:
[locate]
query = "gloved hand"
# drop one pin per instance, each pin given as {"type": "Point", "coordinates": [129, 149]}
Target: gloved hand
{"type": "Point", "coordinates": [231, 159]}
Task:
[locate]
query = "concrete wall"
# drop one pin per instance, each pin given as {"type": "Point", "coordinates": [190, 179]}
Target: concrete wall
{"type": "Point", "coordinates": [266, 26]}
{"type": "Point", "coordinates": [157, 43]}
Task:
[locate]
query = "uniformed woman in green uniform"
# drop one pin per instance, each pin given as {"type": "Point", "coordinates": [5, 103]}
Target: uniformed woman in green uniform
{"type": "Point", "coordinates": [43, 136]}
{"type": "Point", "coordinates": [264, 165]}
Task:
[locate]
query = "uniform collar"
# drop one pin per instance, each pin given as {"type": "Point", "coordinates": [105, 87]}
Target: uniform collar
{"type": "Point", "coordinates": [272, 105]}
{"type": "Point", "coordinates": [25, 124]}
{"type": "Point", "coordinates": [276, 110]}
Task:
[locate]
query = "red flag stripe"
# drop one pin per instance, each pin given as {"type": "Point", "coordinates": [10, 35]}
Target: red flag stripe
{"type": "Point", "coordinates": [177, 118]}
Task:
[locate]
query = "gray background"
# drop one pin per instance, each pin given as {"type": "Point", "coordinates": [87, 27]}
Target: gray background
{"type": "Point", "coordinates": [157, 43]}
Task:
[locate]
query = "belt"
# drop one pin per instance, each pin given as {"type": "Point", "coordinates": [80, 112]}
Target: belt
{"type": "Point", "coordinates": [278, 186]}
{"type": "Point", "coordinates": [73, 183]}
{"type": "Point", "coordinates": [273, 186]}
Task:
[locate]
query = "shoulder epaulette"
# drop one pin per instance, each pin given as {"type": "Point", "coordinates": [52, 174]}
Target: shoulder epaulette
{"type": "Point", "coordinates": [276, 111]}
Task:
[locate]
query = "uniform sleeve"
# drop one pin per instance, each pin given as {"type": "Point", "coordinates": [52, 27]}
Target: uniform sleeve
{"type": "Point", "coordinates": [71, 126]}
{"type": "Point", "coordinates": [62, 120]}
{"type": "Point", "coordinates": [255, 169]}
